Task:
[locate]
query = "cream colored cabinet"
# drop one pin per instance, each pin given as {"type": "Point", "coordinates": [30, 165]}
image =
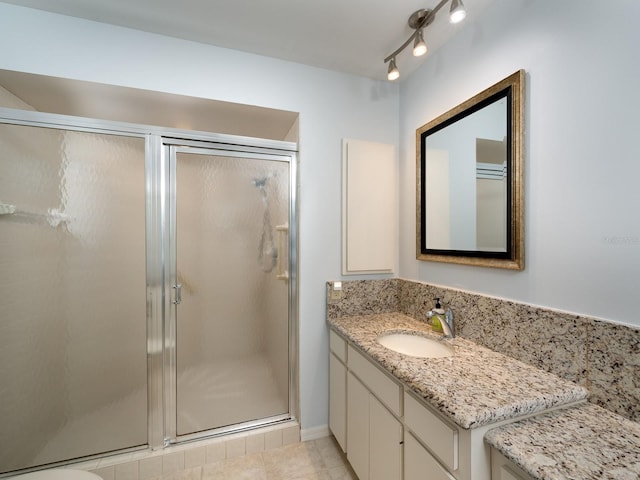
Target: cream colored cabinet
{"type": "Point", "coordinates": [419, 464]}
{"type": "Point", "coordinates": [374, 439]}
{"type": "Point", "coordinates": [338, 389]}
{"type": "Point", "coordinates": [439, 447]}
{"type": "Point", "coordinates": [503, 469]}
{"type": "Point", "coordinates": [432, 444]}
{"type": "Point", "coordinates": [440, 436]}
{"type": "Point", "coordinates": [385, 443]}
{"type": "Point", "coordinates": [369, 207]}
{"type": "Point", "coordinates": [374, 432]}
{"type": "Point", "coordinates": [358, 426]}
{"type": "Point", "coordinates": [392, 434]}
{"type": "Point", "coordinates": [366, 412]}
{"type": "Point", "coordinates": [338, 401]}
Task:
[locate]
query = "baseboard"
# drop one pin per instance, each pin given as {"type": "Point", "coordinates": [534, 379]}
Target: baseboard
{"type": "Point", "coordinates": [314, 433]}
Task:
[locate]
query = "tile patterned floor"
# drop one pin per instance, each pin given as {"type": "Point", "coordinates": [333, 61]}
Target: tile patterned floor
{"type": "Point", "coordinates": [319, 459]}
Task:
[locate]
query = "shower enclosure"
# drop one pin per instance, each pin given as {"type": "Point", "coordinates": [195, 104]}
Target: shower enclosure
{"type": "Point", "coordinates": [148, 287]}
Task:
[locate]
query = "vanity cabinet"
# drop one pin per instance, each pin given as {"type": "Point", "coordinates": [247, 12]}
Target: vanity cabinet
{"type": "Point", "coordinates": [374, 434]}
{"type": "Point", "coordinates": [364, 406]}
{"type": "Point", "coordinates": [385, 443]}
{"type": "Point", "coordinates": [438, 449]}
{"type": "Point", "coordinates": [419, 464]}
{"type": "Point", "coordinates": [358, 427]}
{"type": "Point", "coordinates": [374, 440]}
{"type": "Point", "coordinates": [338, 389]}
{"type": "Point", "coordinates": [391, 434]}
{"type": "Point", "coordinates": [441, 438]}
{"type": "Point", "coordinates": [504, 469]}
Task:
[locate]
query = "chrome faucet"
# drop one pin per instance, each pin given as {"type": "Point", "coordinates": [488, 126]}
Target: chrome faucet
{"type": "Point", "coordinates": [445, 317]}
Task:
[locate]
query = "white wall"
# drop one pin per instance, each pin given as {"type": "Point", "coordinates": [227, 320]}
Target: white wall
{"type": "Point", "coordinates": [582, 150]}
{"type": "Point", "coordinates": [331, 106]}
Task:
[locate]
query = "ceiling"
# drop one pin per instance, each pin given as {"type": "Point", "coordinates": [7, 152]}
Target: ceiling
{"type": "Point", "coordinates": [351, 36]}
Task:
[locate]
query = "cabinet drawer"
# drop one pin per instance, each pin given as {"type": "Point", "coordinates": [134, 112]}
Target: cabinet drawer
{"type": "Point", "coordinates": [338, 346]}
{"type": "Point", "coordinates": [437, 434]}
{"type": "Point", "coordinates": [381, 385]}
{"type": "Point", "coordinates": [419, 464]}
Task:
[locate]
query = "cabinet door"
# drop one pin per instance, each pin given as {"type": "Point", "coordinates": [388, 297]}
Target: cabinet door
{"type": "Point", "coordinates": [385, 443]}
{"type": "Point", "coordinates": [358, 427]}
{"type": "Point", "coordinates": [369, 211]}
{"type": "Point", "coordinates": [419, 464]}
{"type": "Point", "coordinates": [338, 400]}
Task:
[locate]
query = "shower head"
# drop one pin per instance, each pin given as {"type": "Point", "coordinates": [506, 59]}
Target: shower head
{"type": "Point", "coordinates": [260, 182]}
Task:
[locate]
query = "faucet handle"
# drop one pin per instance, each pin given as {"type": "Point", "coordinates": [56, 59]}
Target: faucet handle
{"type": "Point", "coordinates": [448, 315]}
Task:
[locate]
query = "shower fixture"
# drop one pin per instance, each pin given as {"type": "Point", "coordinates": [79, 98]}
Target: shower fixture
{"type": "Point", "coordinates": [260, 182]}
{"type": "Point", "coordinates": [419, 20]}
{"type": "Point", "coordinates": [54, 217]}
{"type": "Point", "coordinates": [267, 250]}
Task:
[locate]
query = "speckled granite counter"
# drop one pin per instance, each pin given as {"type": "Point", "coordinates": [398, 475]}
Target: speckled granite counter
{"type": "Point", "coordinates": [579, 443]}
{"type": "Point", "coordinates": [475, 387]}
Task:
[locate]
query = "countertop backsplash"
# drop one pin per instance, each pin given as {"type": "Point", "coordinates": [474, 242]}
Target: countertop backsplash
{"type": "Point", "coordinates": [602, 356]}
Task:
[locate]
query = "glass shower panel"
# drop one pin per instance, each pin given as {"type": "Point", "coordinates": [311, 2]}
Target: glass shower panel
{"type": "Point", "coordinates": [72, 311]}
{"type": "Point", "coordinates": [232, 323]}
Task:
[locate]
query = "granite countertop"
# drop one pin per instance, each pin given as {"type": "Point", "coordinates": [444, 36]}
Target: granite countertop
{"type": "Point", "coordinates": [474, 387]}
{"type": "Point", "coordinates": [581, 442]}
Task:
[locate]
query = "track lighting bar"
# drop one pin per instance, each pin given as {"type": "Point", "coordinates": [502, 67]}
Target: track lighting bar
{"type": "Point", "coordinates": [419, 20]}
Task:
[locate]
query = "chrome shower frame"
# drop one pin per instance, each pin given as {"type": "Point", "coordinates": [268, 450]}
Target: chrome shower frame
{"type": "Point", "coordinates": [230, 147]}
{"type": "Point", "coordinates": [160, 360]}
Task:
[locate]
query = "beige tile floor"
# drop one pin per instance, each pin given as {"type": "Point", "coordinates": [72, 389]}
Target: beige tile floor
{"type": "Point", "coordinates": [319, 459]}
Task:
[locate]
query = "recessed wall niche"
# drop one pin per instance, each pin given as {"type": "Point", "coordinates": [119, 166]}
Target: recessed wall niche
{"type": "Point", "coordinates": [132, 105]}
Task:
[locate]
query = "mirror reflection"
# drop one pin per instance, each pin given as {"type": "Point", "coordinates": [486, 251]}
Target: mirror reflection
{"type": "Point", "coordinates": [469, 181]}
{"type": "Point", "coordinates": [465, 182]}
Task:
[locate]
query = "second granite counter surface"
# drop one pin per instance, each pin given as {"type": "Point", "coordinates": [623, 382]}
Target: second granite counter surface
{"type": "Point", "coordinates": [474, 387]}
{"type": "Point", "coordinates": [576, 443]}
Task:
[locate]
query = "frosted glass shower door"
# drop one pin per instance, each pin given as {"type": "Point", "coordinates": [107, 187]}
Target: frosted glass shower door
{"type": "Point", "coordinates": [230, 303]}
{"type": "Point", "coordinates": [73, 344]}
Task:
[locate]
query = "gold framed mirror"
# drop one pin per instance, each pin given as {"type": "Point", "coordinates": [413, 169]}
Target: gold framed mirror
{"type": "Point", "coordinates": [469, 180]}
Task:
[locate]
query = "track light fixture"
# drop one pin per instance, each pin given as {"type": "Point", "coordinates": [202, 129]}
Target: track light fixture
{"type": "Point", "coordinates": [457, 11]}
{"type": "Point", "coordinates": [393, 71]}
{"type": "Point", "coordinates": [420, 20]}
{"type": "Point", "coordinates": [419, 47]}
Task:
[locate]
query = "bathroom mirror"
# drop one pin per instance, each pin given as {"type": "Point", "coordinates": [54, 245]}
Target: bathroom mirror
{"type": "Point", "coordinates": [470, 180]}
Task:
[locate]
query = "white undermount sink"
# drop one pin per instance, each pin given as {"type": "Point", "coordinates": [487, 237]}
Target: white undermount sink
{"type": "Point", "coordinates": [415, 345]}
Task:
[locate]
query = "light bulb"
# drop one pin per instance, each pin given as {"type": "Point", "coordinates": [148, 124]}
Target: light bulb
{"type": "Point", "coordinates": [457, 12]}
{"type": "Point", "coordinates": [393, 72]}
{"type": "Point", "coordinates": [419, 47]}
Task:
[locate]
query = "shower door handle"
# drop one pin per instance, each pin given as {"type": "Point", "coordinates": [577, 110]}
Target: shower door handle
{"type": "Point", "coordinates": [178, 295]}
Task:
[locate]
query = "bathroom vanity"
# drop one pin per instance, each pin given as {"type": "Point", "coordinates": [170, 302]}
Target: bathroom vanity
{"type": "Point", "coordinates": [401, 417]}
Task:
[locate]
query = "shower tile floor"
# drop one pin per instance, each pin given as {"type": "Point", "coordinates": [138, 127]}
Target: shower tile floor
{"type": "Point", "coordinates": [319, 459]}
